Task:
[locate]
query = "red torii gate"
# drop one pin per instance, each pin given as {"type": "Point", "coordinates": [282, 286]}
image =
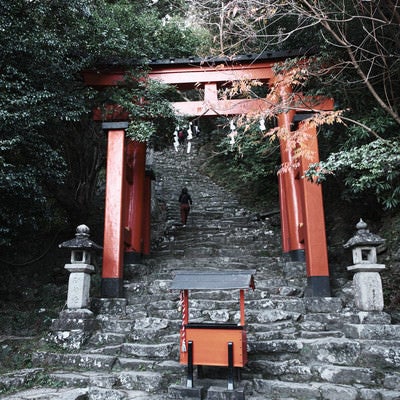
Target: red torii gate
{"type": "Point", "coordinates": [128, 188]}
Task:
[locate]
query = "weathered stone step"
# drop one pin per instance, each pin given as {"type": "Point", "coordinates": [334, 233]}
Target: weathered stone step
{"type": "Point", "coordinates": [372, 331]}
{"type": "Point", "coordinates": [104, 337]}
{"type": "Point", "coordinates": [147, 381]}
{"type": "Point", "coordinates": [221, 243]}
{"type": "Point", "coordinates": [16, 379]}
{"type": "Point", "coordinates": [152, 329]}
{"type": "Point", "coordinates": [115, 324]}
{"type": "Point", "coordinates": [265, 265]}
{"type": "Point", "coordinates": [282, 330]}
{"type": "Point", "coordinates": [337, 320]}
{"type": "Point", "coordinates": [152, 351]}
{"type": "Point", "coordinates": [232, 251]}
{"type": "Point", "coordinates": [320, 334]}
{"type": "Point", "coordinates": [293, 370]}
{"type": "Point", "coordinates": [87, 361]}
{"type": "Point", "coordinates": [129, 363]}
{"type": "Point", "coordinates": [275, 348]}
{"type": "Point", "coordinates": [276, 389]}
{"type": "Point", "coordinates": [98, 393]}
{"type": "Point", "coordinates": [49, 393]}
{"type": "Point", "coordinates": [271, 315]}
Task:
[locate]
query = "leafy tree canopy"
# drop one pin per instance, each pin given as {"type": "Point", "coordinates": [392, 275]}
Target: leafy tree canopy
{"type": "Point", "coordinates": [357, 64]}
{"type": "Point", "coordinates": [43, 103]}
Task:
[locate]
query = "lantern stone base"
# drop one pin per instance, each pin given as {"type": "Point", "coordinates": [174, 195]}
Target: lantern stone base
{"type": "Point", "coordinates": [73, 328]}
{"type": "Point", "coordinates": [367, 283]}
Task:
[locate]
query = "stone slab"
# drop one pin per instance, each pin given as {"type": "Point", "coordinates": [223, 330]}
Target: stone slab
{"type": "Point", "coordinates": [372, 331]}
{"type": "Point", "coordinates": [183, 392]}
{"type": "Point", "coordinates": [220, 393]}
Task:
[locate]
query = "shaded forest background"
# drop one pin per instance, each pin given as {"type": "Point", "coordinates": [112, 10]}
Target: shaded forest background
{"type": "Point", "coordinates": [52, 155]}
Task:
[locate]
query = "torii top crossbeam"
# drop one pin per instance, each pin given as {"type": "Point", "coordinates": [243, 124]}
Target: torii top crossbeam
{"type": "Point", "coordinates": [209, 74]}
{"type": "Point", "coordinates": [302, 215]}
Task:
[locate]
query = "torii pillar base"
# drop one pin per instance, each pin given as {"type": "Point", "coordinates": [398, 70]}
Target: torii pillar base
{"type": "Point", "coordinates": [318, 286]}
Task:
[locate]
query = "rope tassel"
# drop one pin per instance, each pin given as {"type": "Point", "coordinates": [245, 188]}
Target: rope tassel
{"type": "Point", "coordinates": [183, 328]}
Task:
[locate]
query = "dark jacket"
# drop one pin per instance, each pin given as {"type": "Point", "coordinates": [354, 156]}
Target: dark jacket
{"type": "Point", "coordinates": [185, 198]}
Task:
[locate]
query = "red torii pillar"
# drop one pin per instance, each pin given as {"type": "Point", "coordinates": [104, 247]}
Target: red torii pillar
{"type": "Point", "coordinates": [301, 205]}
{"type": "Point", "coordinates": [314, 227]}
{"type": "Point", "coordinates": [291, 212]}
{"type": "Point", "coordinates": [135, 202]}
{"type": "Point", "coordinates": [113, 250]}
{"type": "Point", "coordinates": [147, 213]}
{"type": "Point", "coordinates": [125, 207]}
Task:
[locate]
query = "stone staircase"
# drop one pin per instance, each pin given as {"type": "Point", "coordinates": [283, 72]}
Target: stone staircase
{"type": "Point", "coordinates": [299, 348]}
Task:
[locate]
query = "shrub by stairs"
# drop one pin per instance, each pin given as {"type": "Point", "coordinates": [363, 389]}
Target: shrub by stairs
{"type": "Point", "coordinates": [299, 347]}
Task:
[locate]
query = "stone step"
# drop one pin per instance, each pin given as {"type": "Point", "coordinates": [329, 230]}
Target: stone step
{"type": "Point", "coordinates": [80, 361]}
{"type": "Point", "coordinates": [168, 350]}
{"type": "Point", "coordinates": [16, 379]}
{"type": "Point", "coordinates": [107, 337]}
{"type": "Point", "coordinates": [49, 393]}
{"type": "Point", "coordinates": [336, 320]}
{"type": "Point", "coordinates": [271, 315]}
{"type": "Point", "coordinates": [152, 382]}
{"type": "Point", "coordinates": [172, 366]}
{"type": "Point", "coordinates": [331, 350]}
{"type": "Point", "coordinates": [119, 325]}
{"type": "Point", "coordinates": [372, 331]}
{"type": "Point", "coordinates": [276, 389]}
{"type": "Point", "coordinates": [281, 330]}
{"type": "Point", "coordinates": [293, 370]}
{"type": "Point", "coordinates": [266, 266]}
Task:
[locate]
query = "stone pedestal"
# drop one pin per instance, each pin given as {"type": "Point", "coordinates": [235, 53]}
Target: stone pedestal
{"type": "Point", "coordinates": [367, 283]}
{"type": "Point", "coordinates": [72, 328]}
{"type": "Point", "coordinates": [78, 285]}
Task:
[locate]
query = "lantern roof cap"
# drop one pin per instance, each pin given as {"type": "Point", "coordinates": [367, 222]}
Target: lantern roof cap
{"type": "Point", "coordinates": [81, 240]}
{"type": "Point", "coordinates": [363, 237]}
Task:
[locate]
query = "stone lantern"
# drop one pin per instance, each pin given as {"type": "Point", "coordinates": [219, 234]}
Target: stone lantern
{"type": "Point", "coordinates": [80, 267]}
{"type": "Point", "coordinates": [367, 282]}
{"type": "Point", "coordinates": [76, 323]}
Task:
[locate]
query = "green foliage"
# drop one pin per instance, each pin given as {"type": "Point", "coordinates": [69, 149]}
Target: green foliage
{"type": "Point", "coordinates": [29, 169]}
{"type": "Point", "coordinates": [127, 29]}
{"type": "Point", "coordinates": [370, 168]}
{"type": "Point", "coordinates": [146, 102]}
{"type": "Point", "coordinates": [377, 121]}
{"type": "Point", "coordinates": [140, 130]}
{"type": "Point", "coordinates": [44, 106]}
{"type": "Point", "coordinates": [247, 167]}
{"type": "Point", "coordinates": [252, 156]}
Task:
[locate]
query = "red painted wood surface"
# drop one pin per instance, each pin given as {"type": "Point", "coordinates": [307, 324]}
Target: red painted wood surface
{"type": "Point", "coordinates": [113, 222]}
{"type": "Point", "coordinates": [182, 76]}
{"type": "Point", "coordinates": [135, 204]}
{"type": "Point", "coordinates": [289, 203]}
{"type": "Point", "coordinates": [210, 346]}
{"type": "Point", "coordinates": [146, 224]}
{"type": "Point", "coordinates": [313, 212]}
